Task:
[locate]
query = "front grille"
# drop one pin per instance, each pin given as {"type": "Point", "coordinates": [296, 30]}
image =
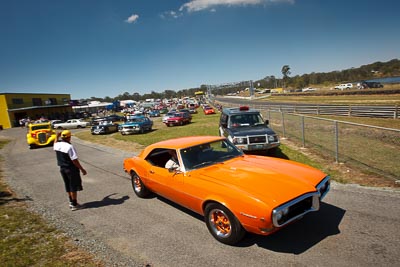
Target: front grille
{"type": "Point", "coordinates": [257, 139]}
{"type": "Point", "coordinates": [296, 209]}
{"type": "Point", "coordinates": [42, 138]}
{"type": "Point", "coordinates": [300, 207]}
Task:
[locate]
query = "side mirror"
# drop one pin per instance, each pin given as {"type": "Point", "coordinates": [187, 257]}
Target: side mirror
{"type": "Point", "coordinates": [224, 125]}
{"type": "Point", "coordinates": [266, 122]}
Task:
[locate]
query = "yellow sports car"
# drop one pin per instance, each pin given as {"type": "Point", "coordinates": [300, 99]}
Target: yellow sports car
{"type": "Point", "coordinates": [40, 134]}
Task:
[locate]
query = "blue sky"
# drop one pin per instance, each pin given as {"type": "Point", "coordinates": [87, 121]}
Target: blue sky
{"type": "Point", "coordinates": [107, 47]}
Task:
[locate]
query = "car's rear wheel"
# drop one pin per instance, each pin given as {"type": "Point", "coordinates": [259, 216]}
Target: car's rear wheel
{"type": "Point", "coordinates": [223, 225]}
{"type": "Point", "coordinates": [138, 187]}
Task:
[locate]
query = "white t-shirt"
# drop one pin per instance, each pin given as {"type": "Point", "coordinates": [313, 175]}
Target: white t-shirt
{"type": "Point", "coordinates": [65, 147]}
{"type": "Point", "coordinates": [171, 164]}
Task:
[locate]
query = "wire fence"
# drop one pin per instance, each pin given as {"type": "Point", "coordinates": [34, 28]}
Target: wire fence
{"type": "Point", "coordinates": [376, 149]}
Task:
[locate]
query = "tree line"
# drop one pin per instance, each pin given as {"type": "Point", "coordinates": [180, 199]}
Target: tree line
{"type": "Point", "coordinates": [364, 72]}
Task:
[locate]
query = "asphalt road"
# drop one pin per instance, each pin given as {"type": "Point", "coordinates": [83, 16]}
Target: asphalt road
{"type": "Point", "coordinates": [355, 226]}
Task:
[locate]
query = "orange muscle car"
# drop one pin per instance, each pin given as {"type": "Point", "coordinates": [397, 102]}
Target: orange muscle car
{"type": "Point", "coordinates": [236, 193]}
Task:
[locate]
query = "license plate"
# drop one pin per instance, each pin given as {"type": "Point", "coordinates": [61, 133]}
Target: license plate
{"type": "Point", "coordinates": [256, 147]}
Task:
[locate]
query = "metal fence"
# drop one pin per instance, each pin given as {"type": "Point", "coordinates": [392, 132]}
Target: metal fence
{"type": "Point", "coordinates": [341, 110]}
{"type": "Point", "coordinates": [375, 148]}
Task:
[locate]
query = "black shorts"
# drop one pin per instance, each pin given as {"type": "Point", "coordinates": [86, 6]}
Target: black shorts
{"type": "Point", "coordinates": [72, 179]}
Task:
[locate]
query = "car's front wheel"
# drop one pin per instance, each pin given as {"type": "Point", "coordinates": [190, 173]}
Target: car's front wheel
{"type": "Point", "coordinates": [223, 225]}
{"type": "Point", "coordinates": [138, 187]}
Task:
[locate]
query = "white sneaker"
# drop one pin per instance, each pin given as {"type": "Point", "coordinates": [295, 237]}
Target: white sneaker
{"type": "Point", "coordinates": [76, 207]}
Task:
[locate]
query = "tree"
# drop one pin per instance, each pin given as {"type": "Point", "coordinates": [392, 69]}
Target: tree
{"type": "Point", "coordinates": [285, 72]}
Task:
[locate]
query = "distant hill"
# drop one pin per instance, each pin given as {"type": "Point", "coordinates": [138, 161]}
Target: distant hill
{"type": "Point", "coordinates": [365, 72]}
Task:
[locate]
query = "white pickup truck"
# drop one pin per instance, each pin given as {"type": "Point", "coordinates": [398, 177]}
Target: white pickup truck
{"type": "Point", "coordinates": [69, 124]}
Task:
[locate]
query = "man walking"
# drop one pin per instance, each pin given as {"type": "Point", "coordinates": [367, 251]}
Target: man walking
{"type": "Point", "coordinates": [67, 159]}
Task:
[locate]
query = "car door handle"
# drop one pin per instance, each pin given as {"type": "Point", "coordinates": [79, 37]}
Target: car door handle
{"type": "Point", "coordinates": [151, 171]}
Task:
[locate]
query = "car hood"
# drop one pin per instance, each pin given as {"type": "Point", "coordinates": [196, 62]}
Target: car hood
{"type": "Point", "coordinates": [271, 180]}
{"type": "Point", "coordinates": [132, 124]}
{"type": "Point", "coordinates": [251, 130]}
{"type": "Point", "coordinates": [175, 118]}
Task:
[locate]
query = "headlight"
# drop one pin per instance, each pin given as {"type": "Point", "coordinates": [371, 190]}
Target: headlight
{"type": "Point", "coordinates": [281, 213]}
{"type": "Point", "coordinates": [271, 138]}
{"type": "Point", "coordinates": [239, 140]}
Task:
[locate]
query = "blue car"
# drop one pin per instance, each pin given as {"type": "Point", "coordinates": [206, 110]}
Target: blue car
{"type": "Point", "coordinates": [136, 124]}
{"type": "Point", "coordinates": [154, 113]}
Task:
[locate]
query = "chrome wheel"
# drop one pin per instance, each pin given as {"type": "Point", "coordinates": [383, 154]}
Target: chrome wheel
{"type": "Point", "coordinates": [138, 187]}
{"type": "Point", "coordinates": [222, 224]}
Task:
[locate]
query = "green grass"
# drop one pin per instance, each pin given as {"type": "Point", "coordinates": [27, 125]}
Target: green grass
{"type": "Point", "coordinates": [201, 125]}
{"type": "Point", "coordinates": [27, 240]}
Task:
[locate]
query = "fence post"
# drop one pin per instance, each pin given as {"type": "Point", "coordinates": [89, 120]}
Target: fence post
{"type": "Point", "coordinates": [302, 131]}
{"type": "Point", "coordinates": [396, 112]}
{"type": "Point", "coordinates": [349, 110]}
{"type": "Point", "coordinates": [336, 142]}
{"type": "Point", "coordinates": [283, 124]}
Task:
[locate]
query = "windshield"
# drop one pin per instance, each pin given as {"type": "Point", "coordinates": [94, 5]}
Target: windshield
{"type": "Point", "coordinates": [246, 120]}
{"type": "Point", "coordinates": [208, 154]}
{"type": "Point", "coordinates": [40, 127]}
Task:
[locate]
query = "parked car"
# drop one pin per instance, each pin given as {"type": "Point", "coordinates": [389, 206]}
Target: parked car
{"type": "Point", "coordinates": [247, 129]}
{"type": "Point", "coordinates": [179, 118]}
{"type": "Point", "coordinates": [308, 89]}
{"type": "Point", "coordinates": [192, 110]}
{"type": "Point", "coordinates": [366, 85]}
{"type": "Point", "coordinates": [114, 118]}
{"type": "Point", "coordinates": [40, 134]}
{"type": "Point", "coordinates": [154, 113]}
{"type": "Point", "coordinates": [169, 114]}
{"type": "Point", "coordinates": [187, 111]}
{"type": "Point", "coordinates": [344, 86]}
{"type": "Point", "coordinates": [55, 122]}
{"type": "Point", "coordinates": [70, 124]}
{"type": "Point", "coordinates": [105, 127]}
{"type": "Point", "coordinates": [236, 193]}
{"type": "Point", "coordinates": [136, 124]}
{"type": "Point", "coordinates": [208, 110]}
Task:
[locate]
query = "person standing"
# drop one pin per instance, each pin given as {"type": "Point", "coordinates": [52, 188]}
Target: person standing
{"type": "Point", "coordinates": [70, 167]}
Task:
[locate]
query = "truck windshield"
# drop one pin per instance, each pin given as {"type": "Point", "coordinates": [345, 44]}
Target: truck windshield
{"type": "Point", "coordinates": [246, 120]}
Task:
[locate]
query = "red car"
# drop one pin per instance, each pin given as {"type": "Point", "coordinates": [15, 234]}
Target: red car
{"type": "Point", "coordinates": [209, 110]}
{"type": "Point", "coordinates": [179, 118]}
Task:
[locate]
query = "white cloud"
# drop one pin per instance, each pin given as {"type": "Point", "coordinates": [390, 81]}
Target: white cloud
{"type": "Point", "coordinates": [171, 14]}
{"type": "Point", "coordinates": [132, 19]}
{"type": "Point", "coordinates": [198, 5]}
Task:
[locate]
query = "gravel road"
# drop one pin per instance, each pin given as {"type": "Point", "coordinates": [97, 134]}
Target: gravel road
{"type": "Point", "coordinates": [356, 226]}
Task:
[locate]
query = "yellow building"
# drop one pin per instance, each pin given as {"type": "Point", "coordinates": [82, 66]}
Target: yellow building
{"type": "Point", "coordinates": [17, 106]}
